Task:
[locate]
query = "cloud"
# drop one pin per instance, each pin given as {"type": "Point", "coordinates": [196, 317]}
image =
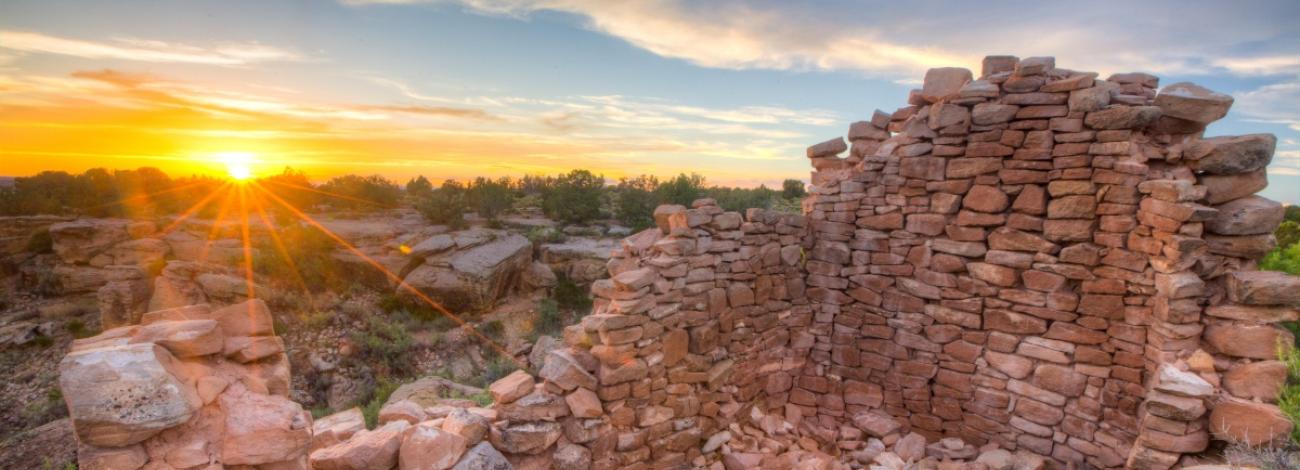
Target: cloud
{"type": "Point", "coordinates": [1277, 103]}
{"type": "Point", "coordinates": [227, 54]}
{"type": "Point", "coordinates": [902, 39]}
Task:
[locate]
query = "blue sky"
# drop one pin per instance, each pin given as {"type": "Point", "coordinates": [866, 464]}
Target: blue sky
{"type": "Point", "coordinates": [732, 90]}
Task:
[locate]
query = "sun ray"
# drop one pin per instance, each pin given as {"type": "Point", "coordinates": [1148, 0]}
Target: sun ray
{"type": "Point", "coordinates": [198, 206]}
{"type": "Point", "coordinates": [327, 193]}
{"type": "Point", "coordinates": [401, 283]}
{"type": "Point", "coordinates": [273, 232]}
{"type": "Point", "coordinates": [247, 241]}
{"type": "Point", "coordinates": [127, 200]}
{"type": "Point", "coordinates": [216, 226]}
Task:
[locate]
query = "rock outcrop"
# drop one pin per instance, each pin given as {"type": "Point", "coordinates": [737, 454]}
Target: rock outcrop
{"type": "Point", "coordinates": [183, 390]}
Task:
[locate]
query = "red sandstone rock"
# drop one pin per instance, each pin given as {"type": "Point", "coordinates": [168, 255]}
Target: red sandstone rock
{"type": "Point", "coordinates": [1249, 423]}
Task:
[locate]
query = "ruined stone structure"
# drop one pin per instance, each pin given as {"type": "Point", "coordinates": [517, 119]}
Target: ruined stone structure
{"type": "Point", "coordinates": [1036, 262]}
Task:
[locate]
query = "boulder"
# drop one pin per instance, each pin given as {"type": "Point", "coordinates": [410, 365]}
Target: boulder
{"type": "Point", "coordinates": [1192, 102]}
{"type": "Point", "coordinates": [120, 394]}
{"type": "Point", "coordinates": [572, 457]}
{"type": "Point", "coordinates": [403, 410]}
{"type": "Point", "coordinates": [124, 297]}
{"type": "Point", "coordinates": [473, 277]}
{"type": "Point", "coordinates": [525, 438]}
{"type": "Point", "coordinates": [249, 318]}
{"type": "Point", "coordinates": [511, 387]}
{"type": "Point", "coordinates": [1246, 216]}
{"type": "Point", "coordinates": [473, 427]}
{"type": "Point", "coordinates": [1261, 380]}
{"type": "Point", "coordinates": [366, 450]}
{"type": "Point", "coordinates": [337, 428]}
{"type": "Point", "coordinates": [1249, 341]}
{"type": "Point", "coordinates": [426, 447]}
{"type": "Point", "coordinates": [1223, 188]}
{"type": "Point", "coordinates": [261, 429]}
{"type": "Point", "coordinates": [183, 338]}
{"type": "Point", "coordinates": [943, 83]}
{"type": "Point", "coordinates": [111, 458]}
{"type": "Point", "coordinates": [1231, 155]}
{"type": "Point", "coordinates": [1122, 117]}
{"type": "Point", "coordinates": [1249, 423]}
{"type": "Point", "coordinates": [539, 276]}
{"type": "Point", "coordinates": [78, 241]}
{"type": "Point", "coordinates": [246, 349]}
{"type": "Point", "coordinates": [483, 457]}
{"type": "Point", "coordinates": [563, 370]}
{"type": "Point", "coordinates": [144, 253]}
{"type": "Point", "coordinates": [1263, 288]}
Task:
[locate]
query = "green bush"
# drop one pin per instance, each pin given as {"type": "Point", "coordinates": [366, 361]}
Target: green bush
{"type": "Point", "coordinates": [385, 343]}
{"type": "Point", "coordinates": [306, 248]}
{"type": "Point", "coordinates": [40, 242]}
{"type": "Point", "coordinates": [681, 190]}
{"type": "Point", "coordinates": [549, 319]}
{"type": "Point", "coordinates": [490, 198]}
{"type": "Point", "coordinates": [636, 201]}
{"type": "Point", "coordinates": [575, 198]}
{"type": "Point", "coordinates": [793, 189]}
{"type": "Point", "coordinates": [419, 187]}
{"type": "Point", "coordinates": [361, 192]}
{"type": "Point", "coordinates": [545, 235]}
{"type": "Point", "coordinates": [570, 296]}
{"type": "Point", "coordinates": [1289, 399]}
{"type": "Point", "coordinates": [445, 206]}
{"type": "Point", "coordinates": [375, 401]}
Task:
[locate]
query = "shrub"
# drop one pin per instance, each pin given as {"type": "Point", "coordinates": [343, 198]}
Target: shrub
{"type": "Point", "coordinates": [570, 296]}
{"type": "Point", "coordinates": [549, 320]}
{"type": "Point", "coordinates": [490, 198]}
{"type": "Point", "coordinates": [40, 242]}
{"type": "Point", "coordinates": [575, 197]}
{"type": "Point", "coordinates": [445, 206]}
{"type": "Point", "coordinates": [419, 187]}
{"type": "Point", "coordinates": [307, 248]}
{"type": "Point", "coordinates": [1288, 233]}
{"type": "Point", "coordinates": [793, 189]}
{"type": "Point", "coordinates": [384, 343]}
{"type": "Point", "coordinates": [361, 192]}
{"type": "Point", "coordinates": [681, 190]}
{"type": "Point", "coordinates": [1289, 399]}
{"type": "Point", "coordinates": [375, 401]}
{"type": "Point", "coordinates": [545, 235]}
{"type": "Point", "coordinates": [636, 201]}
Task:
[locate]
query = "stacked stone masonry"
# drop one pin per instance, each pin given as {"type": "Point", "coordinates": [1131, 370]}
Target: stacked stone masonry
{"type": "Point", "coordinates": [1032, 262]}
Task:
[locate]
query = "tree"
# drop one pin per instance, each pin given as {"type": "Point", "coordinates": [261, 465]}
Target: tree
{"type": "Point", "coordinates": [490, 198]}
{"type": "Point", "coordinates": [445, 206]}
{"type": "Point", "coordinates": [793, 189]}
{"type": "Point", "coordinates": [681, 190]}
{"type": "Point", "coordinates": [362, 192]}
{"type": "Point", "coordinates": [1287, 234]}
{"type": "Point", "coordinates": [419, 187]}
{"type": "Point", "coordinates": [575, 197]}
{"type": "Point", "coordinates": [636, 201]}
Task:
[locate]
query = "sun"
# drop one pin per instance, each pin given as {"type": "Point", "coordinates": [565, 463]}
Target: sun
{"type": "Point", "coordinates": [239, 165]}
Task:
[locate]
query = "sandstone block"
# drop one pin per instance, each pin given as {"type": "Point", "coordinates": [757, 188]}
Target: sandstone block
{"type": "Point", "coordinates": [943, 83]}
{"type": "Point", "coordinates": [121, 394]}
{"type": "Point", "coordinates": [511, 387]}
{"type": "Point", "coordinates": [1250, 341]}
{"type": "Point", "coordinates": [1188, 101]}
{"type": "Point", "coordinates": [1252, 424]}
{"type": "Point", "coordinates": [1261, 380]}
{"type": "Point", "coordinates": [425, 447]}
{"type": "Point", "coordinates": [1246, 216]}
{"type": "Point", "coordinates": [1231, 155]}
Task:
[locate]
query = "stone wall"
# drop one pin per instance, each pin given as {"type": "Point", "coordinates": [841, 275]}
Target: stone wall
{"type": "Point", "coordinates": [1023, 257]}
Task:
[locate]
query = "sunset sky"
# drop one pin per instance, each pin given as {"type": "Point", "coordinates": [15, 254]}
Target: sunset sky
{"type": "Point", "coordinates": [456, 89]}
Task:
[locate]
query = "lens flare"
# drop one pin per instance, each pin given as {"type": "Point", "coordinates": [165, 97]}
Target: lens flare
{"type": "Point", "coordinates": [239, 165]}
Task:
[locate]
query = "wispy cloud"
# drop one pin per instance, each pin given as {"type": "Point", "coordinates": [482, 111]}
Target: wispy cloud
{"type": "Point", "coordinates": [134, 49]}
{"type": "Point", "coordinates": [1277, 103]}
{"type": "Point", "coordinates": [904, 38]}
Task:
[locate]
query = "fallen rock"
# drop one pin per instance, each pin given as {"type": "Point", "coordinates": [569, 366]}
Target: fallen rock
{"type": "Point", "coordinates": [426, 447]}
{"type": "Point", "coordinates": [483, 457]}
{"type": "Point", "coordinates": [261, 429]}
{"type": "Point", "coordinates": [121, 394]}
{"type": "Point", "coordinates": [366, 450]}
{"type": "Point", "coordinates": [1248, 423]}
